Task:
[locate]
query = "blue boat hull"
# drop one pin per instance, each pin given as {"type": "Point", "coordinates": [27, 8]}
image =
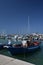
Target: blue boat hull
{"type": "Point", "coordinates": [1, 46]}
{"type": "Point", "coordinates": [20, 50]}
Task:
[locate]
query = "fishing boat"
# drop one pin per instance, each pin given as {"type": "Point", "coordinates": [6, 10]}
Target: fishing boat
{"type": "Point", "coordinates": [19, 49]}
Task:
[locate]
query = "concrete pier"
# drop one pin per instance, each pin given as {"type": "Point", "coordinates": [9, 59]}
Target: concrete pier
{"type": "Point", "coordinates": [5, 60]}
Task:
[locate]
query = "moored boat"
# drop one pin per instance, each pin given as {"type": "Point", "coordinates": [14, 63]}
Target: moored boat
{"type": "Point", "coordinates": [19, 49]}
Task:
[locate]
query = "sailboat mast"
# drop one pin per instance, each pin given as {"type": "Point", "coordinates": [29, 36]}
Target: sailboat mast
{"type": "Point", "coordinates": [28, 28]}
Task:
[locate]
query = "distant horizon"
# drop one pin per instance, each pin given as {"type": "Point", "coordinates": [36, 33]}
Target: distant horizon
{"type": "Point", "coordinates": [20, 33]}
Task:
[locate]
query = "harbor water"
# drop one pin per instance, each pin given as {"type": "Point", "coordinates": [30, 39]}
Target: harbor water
{"type": "Point", "coordinates": [35, 58]}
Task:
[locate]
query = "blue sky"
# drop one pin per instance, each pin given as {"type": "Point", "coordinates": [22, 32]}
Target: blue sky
{"type": "Point", "coordinates": [14, 16]}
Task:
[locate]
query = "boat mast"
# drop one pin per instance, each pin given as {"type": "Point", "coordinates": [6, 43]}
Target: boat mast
{"type": "Point", "coordinates": [28, 28]}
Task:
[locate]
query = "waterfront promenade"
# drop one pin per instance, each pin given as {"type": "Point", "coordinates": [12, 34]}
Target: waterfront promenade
{"type": "Point", "coordinates": [5, 60]}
